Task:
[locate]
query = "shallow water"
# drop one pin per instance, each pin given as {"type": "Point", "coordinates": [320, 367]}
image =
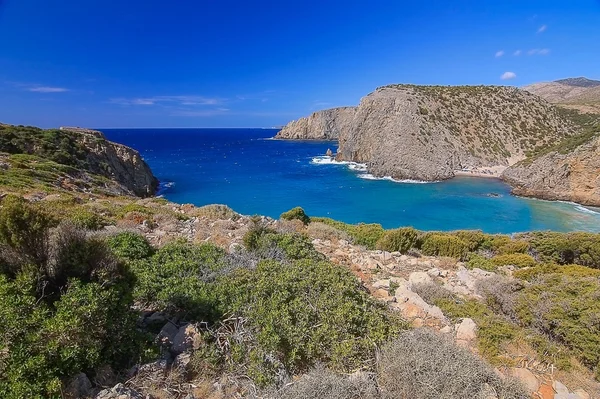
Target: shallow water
{"type": "Point", "coordinates": [252, 174]}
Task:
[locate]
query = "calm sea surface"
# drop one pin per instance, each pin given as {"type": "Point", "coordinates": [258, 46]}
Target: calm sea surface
{"type": "Point", "coordinates": [245, 170]}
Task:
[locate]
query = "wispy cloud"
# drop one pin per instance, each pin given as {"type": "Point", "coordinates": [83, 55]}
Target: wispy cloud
{"type": "Point", "coordinates": [542, 29]}
{"type": "Point", "coordinates": [539, 51]}
{"type": "Point", "coordinates": [517, 53]}
{"type": "Point", "coordinates": [38, 88]}
{"type": "Point", "coordinates": [200, 113]}
{"type": "Point", "coordinates": [508, 75]}
{"type": "Point", "coordinates": [499, 53]}
{"type": "Point", "coordinates": [167, 100]}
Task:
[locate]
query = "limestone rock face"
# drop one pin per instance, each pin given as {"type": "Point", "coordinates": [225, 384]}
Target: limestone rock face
{"type": "Point", "coordinates": [574, 176]}
{"type": "Point", "coordinates": [429, 132]}
{"type": "Point", "coordinates": [322, 125]}
{"type": "Point", "coordinates": [121, 163]}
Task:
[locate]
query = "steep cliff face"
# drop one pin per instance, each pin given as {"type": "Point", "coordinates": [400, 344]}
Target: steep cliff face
{"type": "Point", "coordinates": [83, 159]}
{"type": "Point", "coordinates": [120, 163]}
{"type": "Point", "coordinates": [322, 125]}
{"type": "Point", "coordinates": [430, 132]}
{"type": "Point", "coordinates": [571, 176]}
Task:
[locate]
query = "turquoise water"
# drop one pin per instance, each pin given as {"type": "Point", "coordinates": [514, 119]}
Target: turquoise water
{"type": "Point", "coordinates": [252, 174]}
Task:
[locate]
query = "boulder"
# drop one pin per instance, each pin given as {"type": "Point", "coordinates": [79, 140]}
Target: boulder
{"type": "Point", "coordinates": [419, 278]}
{"type": "Point", "coordinates": [78, 387]}
{"type": "Point", "coordinates": [119, 391]}
{"type": "Point", "coordinates": [466, 330]}
{"type": "Point", "coordinates": [560, 388]}
{"type": "Point", "coordinates": [167, 334]}
{"type": "Point", "coordinates": [582, 394]}
{"type": "Point", "coordinates": [188, 337]}
{"type": "Point", "coordinates": [527, 378]}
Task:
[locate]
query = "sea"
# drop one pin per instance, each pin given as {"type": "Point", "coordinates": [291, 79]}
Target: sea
{"type": "Point", "coordinates": [253, 174]}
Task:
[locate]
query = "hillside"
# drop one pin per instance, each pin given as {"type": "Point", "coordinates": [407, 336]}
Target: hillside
{"type": "Point", "coordinates": [576, 93]}
{"type": "Point", "coordinates": [72, 160]}
{"type": "Point", "coordinates": [568, 171]}
{"type": "Point", "coordinates": [434, 132]}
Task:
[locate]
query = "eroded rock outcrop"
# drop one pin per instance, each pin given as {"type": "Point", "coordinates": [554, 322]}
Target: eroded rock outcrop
{"type": "Point", "coordinates": [322, 125]}
{"type": "Point", "coordinates": [573, 176]}
{"type": "Point", "coordinates": [118, 162]}
{"type": "Point", "coordinates": [430, 132]}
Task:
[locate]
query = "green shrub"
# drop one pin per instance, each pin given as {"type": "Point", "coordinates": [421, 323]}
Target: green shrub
{"type": "Point", "coordinates": [398, 240]}
{"type": "Point", "coordinates": [361, 234]}
{"type": "Point", "coordinates": [439, 244]}
{"type": "Point", "coordinates": [550, 268]}
{"type": "Point", "coordinates": [566, 248]}
{"type": "Point", "coordinates": [493, 331]}
{"type": "Point", "coordinates": [257, 229]}
{"type": "Point", "coordinates": [565, 308]}
{"type": "Point", "coordinates": [495, 242]}
{"type": "Point", "coordinates": [296, 214]}
{"type": "Point", "coordinates": [517, 259]}
{"type": "Point", "coordinates": [129, 245]}
{"type": "Point", "coordinates": [513, 247]}
{"type": "Point", "coordinates": [86, 219]}
{"type": "Point", "coordinates": [294, 245]}
{"type": "Point", "coordinates": [473, 238]}
{"type": "Point", "coordinates": [480, 262]}
{"type": "Point", "coordinates": [177, 279]}
{"type": "Point", "coordinates": [24, 230]}
{"type": "Point", "coordinates": [303, 313]}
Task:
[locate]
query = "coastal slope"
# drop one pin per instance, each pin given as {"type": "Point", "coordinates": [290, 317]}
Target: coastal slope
{"type": "Point", "coordinates": [580, 93]}
{"type": "Point", "coordinates": [72, 159]}
{"type": "Point", "coordinates": [560, 174]}
{"type": "Point", "coordinates": [434, 132]}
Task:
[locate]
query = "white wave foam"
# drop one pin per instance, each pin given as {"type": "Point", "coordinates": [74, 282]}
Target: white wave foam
{"type": "Point", "coordinates": [325, 160]}
{"type": "Point", "coordinates": [369, 176]}
{"type": "Point", "coordinates": [583, 209]}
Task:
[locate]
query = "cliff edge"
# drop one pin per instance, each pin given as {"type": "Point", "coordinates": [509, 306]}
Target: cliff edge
{"type": "Point", "coordinates": [434, 132]}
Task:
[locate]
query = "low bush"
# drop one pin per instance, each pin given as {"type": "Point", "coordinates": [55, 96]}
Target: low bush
{"type": "Point", "coordinates": [440, 244]}
{"type": "Point", "coordinates": [177, 279]}
{"type": "Point", "coordinates": [431, 292]}
{"type": "Point", "coordinates": [322, 383]}
{"type": "Point", "coordinates": [296, 214]}
{"type": "Point", "coordinates": [130, 246]}
{"type": "Point", "coordinates": [361, 234]}
{"type": "Point", "coordinates": [324, 231]}
{"type": "Point", "coordinates": [295, 246]}
{"type": "Point", "coordinates": [513, 247]}
{"type": "Point", "coordinates": [565, 248]}
{"type": "Point", "coordinates": [421, 364]}
{"type": "Point", "coordinates": [473, 238]}
{"type": "Point", "coordinates": [516, 259]}
{"type": "Point", "coordinates": [475, 260]}
{"type": "Point", "coordinates": [302, 313]}
{"type": "Point", "coordinates": [565, 308]}
{"type": "Point", "coordinates": [398, 240]}
{"type": "Point", "coordinates": [550, 268]}
{"type": "Point", "coordinates": [86, 219]}
{"type": "Point", "coordinates": [258, 228]}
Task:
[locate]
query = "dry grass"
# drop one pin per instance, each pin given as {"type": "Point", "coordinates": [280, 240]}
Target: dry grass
{"type": "Point", "coordinates": [421, 364]}
{"type": "Point", "coordinates": [324, 231]}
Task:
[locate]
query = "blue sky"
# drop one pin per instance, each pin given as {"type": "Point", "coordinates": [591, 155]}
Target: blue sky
{"type": "Point", "coordinates": [150, 63]}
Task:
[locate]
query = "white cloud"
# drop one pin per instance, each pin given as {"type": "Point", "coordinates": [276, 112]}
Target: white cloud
{"type": "Point", "coordinates": [166, 100]}
{"type": "Point", "coordinates": [508, 75]}
{"type": "Point", "coordinates": [539, 51]}
{"type": "Point", "coordinates": [517, 53]}
{"type": "Point", "coordinates": [542, 29]}
{"type": "Point", "coordinates": [499, 53]}
{"type": "Point", "coordinates": [47, 89]}
{"type": "Point", "coordinates": [201, 113]}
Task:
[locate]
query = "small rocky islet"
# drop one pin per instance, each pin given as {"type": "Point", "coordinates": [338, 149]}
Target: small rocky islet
{"type": "Point", "coordinates": [182, 301]}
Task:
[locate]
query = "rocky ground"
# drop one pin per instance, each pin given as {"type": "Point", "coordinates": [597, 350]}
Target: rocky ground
{"type": "Point", "coordinates": [389, 277]}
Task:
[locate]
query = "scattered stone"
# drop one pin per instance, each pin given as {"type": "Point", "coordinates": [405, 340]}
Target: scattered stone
{"type": "Point", "coordinates": [466, 330]}
{"type": "Point", "coordinates": [527, 378]}
{"type": "Point", "coordinates": [419, 278]}
{"type": "Point", "coordinates": [582, 394]}
{"type": "Point", "coordinates": [560, 388]}
{"type": "Point", "coordinates": [154, 367]}
{"type": "Point", "coordinates": [119, 391]}
{"type": "Point", "coordinates": [182, 360]}
{"type": "Point", "coordinates": [382, 284]}
{"type": "Point", "coordinates": [105, 376]}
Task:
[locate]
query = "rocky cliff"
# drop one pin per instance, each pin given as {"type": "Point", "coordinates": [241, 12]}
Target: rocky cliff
{"type": "Point", "coordinates": [120, 163]}
{"type": "Point", "coordinates": [561, 174]}
{"type": "Point", "coordinates": [74, 159]}
{"type": "Point", "coordinates": [323, 125]}
{"type": "Point", "coordinates": [431, 132]}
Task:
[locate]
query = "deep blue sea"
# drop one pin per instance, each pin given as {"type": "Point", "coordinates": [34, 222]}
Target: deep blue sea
{"type": "Point", "coordinates": [252, 174]}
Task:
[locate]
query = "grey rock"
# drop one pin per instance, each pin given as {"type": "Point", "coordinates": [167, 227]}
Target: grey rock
{"type": "Point", "coordinates": [167, 334]}
{"type": "Point", "coordinates": [188, 337]}
{"type": "Point", "coordinates": [79, 386]}
{"type": "Point", "coordinates": [119, 391]}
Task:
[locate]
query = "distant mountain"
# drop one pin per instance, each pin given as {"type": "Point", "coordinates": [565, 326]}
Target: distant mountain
{"type": "Point", "coordinates": [578, 93]}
